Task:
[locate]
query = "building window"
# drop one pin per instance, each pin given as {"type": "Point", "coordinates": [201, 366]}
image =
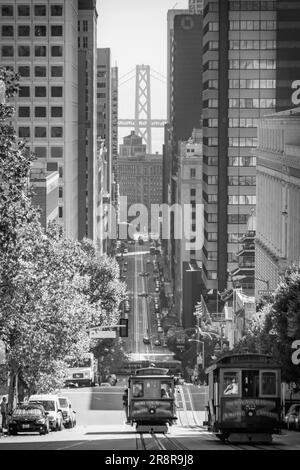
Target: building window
{"type": "Point", "coordinates": [40, 132]}
{"type": "Point", "coordinates": [7, 10]}
{"type": "Point", "coordinates": [212, 255]}
{"type": "Point", "coordinates": [24, 71]}
{"type": "Point", "coordinates": [40, 71]}
{"type": "Point", "coordinates": [7, 30]}
{"type": "Point", "coordinates": [56, 152]}
{"type": "Point", "coordinates": [23, 10]}
{"type": "Point", "coordinates": [56, 111]}
{"type": "Point", "coordinates": [212, 198]}
{"type": "Point", "coordinates": [40, 152]}
{"type": "Point", "coordinates": [232, 258]}
{"type": "Point", "coordinates": [79, 42]}
{"type": "Point", "coordinates": [24, 92]}
{"type": "Point", "coordinates": [212, 218]}
{"type": "Point", "coordinates": [23, 51]}
{"type": "Point", "coordinates": [85, 42]}
{"type": "Point", "coordinates": [40, 10]}
{"type": "Point", "coordinates": [212, 236]}
{"type": "Point", "coordinates": [78, 28]}
{"type": "Point", "coordinates": [212, 275]}
{"type": "Point", "coordinates": [60, 171]}
{"type": "Point", "coordinates": [60, 212]}
{"type": "Point", "coordinates": [234, 237]}
{"type": "Point", "coordinates": [40, 30]}
{"type": "Point", "coordinates": [56, 132]}
{"type": "Point", "coordinates": [56, 30]}
{"type": "Point", "coordinates": [7, 51]}
{"type": "Point", "coordinates": [40, 92]}
{"type": "Point", "coordinates": [212, 179]}
{"type": "Point", "coordinates": [193, 192]}
{"type": "Point", "coordinates": [40, 51]}
{"type": "Point", "coordinates": [56, 91]}
{"type": "Point", "coordinates": [237, 219]}
{"type": "Point", "coordinates": [24, 112]}
{"type": "Point", "coordinates": [23, 31]}
{"type": "Point", "coordinates": [85, 26]}
{"type": "Point", "coordinates": [24, 132]}
{"type": "Point", "coordinates": [56, 71]}
{"type": "Point", "coordinates": [56, 10]}
{"type": "Point", "coordinates": [56, 51]}
{"type": "Point", "coordinates": [40, 111]}
{"type": "Point", "coordinates": [192, 172]}
{"type": "Point", "coordinates": [60, 192]}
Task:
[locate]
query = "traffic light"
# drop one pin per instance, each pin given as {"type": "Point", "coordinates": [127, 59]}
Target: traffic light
{"type": "Point", "coordinates": [123, 332]}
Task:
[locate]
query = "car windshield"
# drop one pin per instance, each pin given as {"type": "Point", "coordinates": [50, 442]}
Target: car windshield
{"type": "Point", "coordinates": [63, 402]}
{"type": "Point", "coordinates": [20, 412]}
{"type": "Point", "coordinates": [86, 362]}
{"type": "Point", "coordinates": [49, 405]}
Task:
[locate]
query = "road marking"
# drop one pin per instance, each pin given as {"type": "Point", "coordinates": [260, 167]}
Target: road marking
{"type": "Point", "coordinates": [73, 445]}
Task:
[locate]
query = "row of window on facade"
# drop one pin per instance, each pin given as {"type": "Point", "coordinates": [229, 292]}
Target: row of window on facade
{"type": "Point", "coordinates": [242, 5]}
{"type": "Point", "coordinates": [40, 132]}
{"type": "Point", "coordinates": [213, 256]}
{"type": "Point", "coordinates": [27, 10]}
{"type": "Point", "coordinates": [24, 30]}
{"type": "Point", "coordinates": [234, 219]}
{"type": "Point", "coordinates": [231, 237]}
{"type": "Point", "coordinates": [40, 111]}
{"type": "Point", "coordinates": [241, 161]}
{"type": "Point", "coordinates": [232, 141]}
{"type": "Point", "coordinates": [41, 91]}
{"type": "Point", "coordinates": [85, 43]}
{"type": "Point", "coordinates": [232, 180]}
{"type": "Point", "coordinates": [84, 26]}
{"type": "Point", "coordinates": [243, 64]}
{"type": "Point", "coordinates": [243, 103]}
{"type": "Point", "coordinates": [25, 51]}
{"type": "Point", "coordinates": [39, 71]}
{"type": "Point", "coordinates": [243, 25]}
{"type": "Point", "coordinates": [243, 44]}
{"type": "Point", "coordinates": [251, 83]}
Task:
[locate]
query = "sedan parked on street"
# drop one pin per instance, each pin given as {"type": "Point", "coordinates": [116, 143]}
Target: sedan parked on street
{"type": "Point", "coordinates": [29, 418]}
{"type": "Point", "coordinates": [69, 415]}
{"type": "Point", "coordinates": [292, 417]}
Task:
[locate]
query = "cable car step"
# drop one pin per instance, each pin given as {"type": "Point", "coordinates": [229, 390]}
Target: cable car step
{"type": "Point", "coordinates": [151, 428]}
{"type": "Point", "coordinates": [250, 437]}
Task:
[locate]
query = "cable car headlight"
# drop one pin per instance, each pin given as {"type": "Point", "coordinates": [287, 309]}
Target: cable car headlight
{"type": "Point", "coordinates": [152, 411]}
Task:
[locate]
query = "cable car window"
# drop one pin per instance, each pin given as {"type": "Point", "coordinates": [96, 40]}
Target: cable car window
{"type": "Point", "coordinates": [231, 382]}
{"type": "Point", "coordinates": [165, 390]}
{"type": "Point", "coordinates": [250, 383]}
{"type": "Point", "coordinates": [138, 389]}
{"type": "Point", "coordinates": [268, 383]}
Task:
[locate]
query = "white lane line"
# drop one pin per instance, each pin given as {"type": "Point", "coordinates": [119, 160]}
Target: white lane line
{"type": "Point", "coordinates": [72, 445]}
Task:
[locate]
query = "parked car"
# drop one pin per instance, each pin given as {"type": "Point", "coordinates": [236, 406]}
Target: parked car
{"type": "Point", "coordinates": [29, 417]}
{"type": "Point", "coordinates": [105, 384]}
{"type": "Point", "coordinates": [69, 415]}
{"type": "Point", "coordinates": [292, 417]}
{"type": "Point", "coordinates": [146, 340]}
{"type": "Point", "coordinates": [157, 342]}
{"type": "Point", "coordinates": [51, 405]}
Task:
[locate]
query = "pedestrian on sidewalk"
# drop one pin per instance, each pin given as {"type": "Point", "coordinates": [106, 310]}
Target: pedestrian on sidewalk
{"type": "Point", "coordinates": [4, 410]}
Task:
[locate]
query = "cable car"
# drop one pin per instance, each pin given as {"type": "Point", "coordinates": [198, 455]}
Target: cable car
{"type": "Point", "coordinates": [149, 400]}
{"type": "Point", "coordinates": [244, 398]}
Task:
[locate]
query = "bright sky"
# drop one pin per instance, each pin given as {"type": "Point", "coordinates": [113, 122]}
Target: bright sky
{"type": "Point", "coordinates": [136, 33]}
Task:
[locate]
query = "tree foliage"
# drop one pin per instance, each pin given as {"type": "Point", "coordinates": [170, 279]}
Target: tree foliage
{"type": "Point", "coordinates": [52, 289]}
{"type": "Point", "coordinates": [277, 324]}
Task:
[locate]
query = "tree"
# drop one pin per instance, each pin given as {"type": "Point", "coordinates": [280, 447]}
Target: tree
{"type": "Point", "coordinates": [111, 356]}
{"type": "Point", "coordinates": [277, 325]}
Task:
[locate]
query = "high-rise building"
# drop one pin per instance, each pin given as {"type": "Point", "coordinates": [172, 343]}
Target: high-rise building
{"type": "Point", "coordinates": [104, 106]}
{"type": "Point", "coordinates": [40, 41]}
{"type": "Point", "coordinates": [188, 250]}
{"type": "Point", "coordinates": [249, 61]}
{"type": "Point", "coordinates": [88, 192]}
{"type": "Point", "coordinates": [140, 174]}
{"type": "Point", "coordinates": [278, 198]}
{"type": "Point", "coordinates": [184, 100]}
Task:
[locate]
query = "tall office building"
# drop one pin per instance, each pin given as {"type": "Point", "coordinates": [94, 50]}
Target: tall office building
{"type": "Point", "coordinates": [40, 41]}
{"type": "Point", "coordinates": [250, 57]}
{"type": "Point", "coordinates": [184, 101]}
{"type": "Point", "coordinates": [88, 192]}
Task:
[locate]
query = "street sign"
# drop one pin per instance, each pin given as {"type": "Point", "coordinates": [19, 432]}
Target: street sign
{"type": "Point", "coordinates": [96, 333]}
{"type": "Point", "coordinates": [265, 292]}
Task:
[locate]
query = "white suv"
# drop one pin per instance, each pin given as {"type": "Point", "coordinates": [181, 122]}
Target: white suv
{"type": "Point", "coordinates": [52, 407]}
{"type": "Point", "coordinates": [69, 415]}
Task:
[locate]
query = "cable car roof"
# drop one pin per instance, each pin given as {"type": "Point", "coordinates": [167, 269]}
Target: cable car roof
{"type": "Point", "coordinates": [152, 371]}
{"type": "Point", "coordinates": [244, 359]}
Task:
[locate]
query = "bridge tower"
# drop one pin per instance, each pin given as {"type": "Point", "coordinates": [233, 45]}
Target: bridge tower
{"type": "Point", "coordinates": [142, 119]}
